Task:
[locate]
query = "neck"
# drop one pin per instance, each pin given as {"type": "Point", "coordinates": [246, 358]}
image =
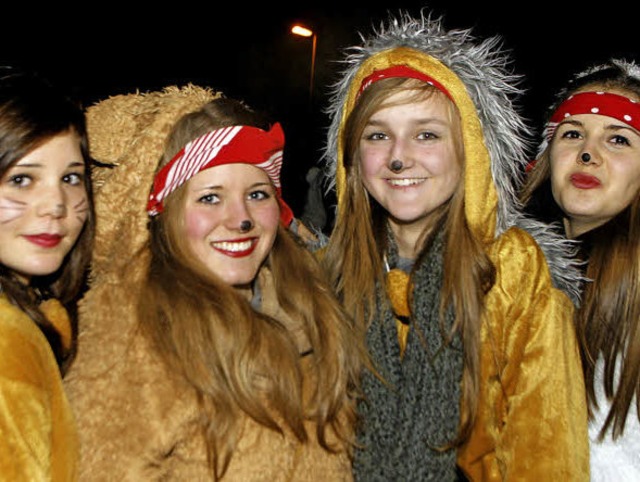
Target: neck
{"type": "Point", "coordinates": [408, 238]}
{"type": "Point", "coordinates": [575, 227]}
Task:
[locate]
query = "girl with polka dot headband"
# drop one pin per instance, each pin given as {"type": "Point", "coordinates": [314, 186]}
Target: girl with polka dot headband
{"type": "Point", "coordinates": [587, 179]}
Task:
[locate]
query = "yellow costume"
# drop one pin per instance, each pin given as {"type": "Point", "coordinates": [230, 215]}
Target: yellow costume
{"type": "Point", "coordinates": [532, 419]}
{"type": "Point", "coordinates": [38, 439]}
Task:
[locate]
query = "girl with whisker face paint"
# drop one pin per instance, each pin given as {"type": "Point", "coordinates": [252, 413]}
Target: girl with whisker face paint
{"type": "Point", "coordinates": [46, 233]}
{"type": "Point", "coordinates": [586, 179]}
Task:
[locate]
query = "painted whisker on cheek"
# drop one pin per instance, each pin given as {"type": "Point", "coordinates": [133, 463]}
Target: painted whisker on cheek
{"type": "Point", "coordinates": [81, 208]}
{"type": "Point", "coordinates": [11, 209]}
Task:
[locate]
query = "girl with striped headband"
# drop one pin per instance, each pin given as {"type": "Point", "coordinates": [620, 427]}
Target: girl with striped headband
{"type": "Point", "coordinates": [234, 360]}
{"type": "Point", "coordinates": [587, 180]}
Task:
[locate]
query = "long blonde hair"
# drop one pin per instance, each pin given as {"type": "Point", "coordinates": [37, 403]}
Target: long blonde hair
{"type": "Point", "coordinates": [238, 360]}
{"type": "Point", "coordinates": [608, 320]}
{"type": "Point", "coordinates": [355, 252]}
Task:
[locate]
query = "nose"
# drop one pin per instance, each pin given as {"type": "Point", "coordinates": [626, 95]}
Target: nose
{"type": "Point", "coordinates": [589, 155]}
{"type": "Point", "coordinates": [52, 202]}
{"type": "Point", "coordinates": [400, 157]}
{"type": "Point", "coordinates": [239, 217]}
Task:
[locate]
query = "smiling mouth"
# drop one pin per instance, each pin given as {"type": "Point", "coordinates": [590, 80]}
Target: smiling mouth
{"type": "Point", "coordinates": [236, 249]}
{"type": "Point", "coordinates": [406, 182]}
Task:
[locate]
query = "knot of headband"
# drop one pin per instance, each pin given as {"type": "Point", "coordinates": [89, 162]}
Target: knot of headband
{"type": "Point", "coordinates": [602, 103]}
{"type": "Point", "coordinates": [228, 145]}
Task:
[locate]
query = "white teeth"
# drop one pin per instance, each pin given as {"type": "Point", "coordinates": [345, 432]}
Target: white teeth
{"type": "Point", "coordinates": [405, 182]}
{"type": "Point", "coordinates": [234, 247]}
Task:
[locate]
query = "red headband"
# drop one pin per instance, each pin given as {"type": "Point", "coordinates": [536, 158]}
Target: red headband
{"type": "Point", "coordinates": [601, 103]}
{"type": "Point", "coordinates": [401, 71]}
{"type": "Point", "coordinates": [229, 145]}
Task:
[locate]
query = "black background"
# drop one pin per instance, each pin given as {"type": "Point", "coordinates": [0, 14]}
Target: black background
{"type": "Point", "coordinates": [248, 52]}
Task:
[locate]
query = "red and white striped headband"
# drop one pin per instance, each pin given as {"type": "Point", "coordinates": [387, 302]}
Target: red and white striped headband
{"type": "Point", "coordinates": [228, 145]}
{"type": "Point", "coordinates": [602, 103]}
{"type": "Point", "coordinates": [401, 71]}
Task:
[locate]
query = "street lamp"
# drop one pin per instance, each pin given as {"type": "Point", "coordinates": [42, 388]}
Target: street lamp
{"type": "Point", "coordinates": [305, 32]}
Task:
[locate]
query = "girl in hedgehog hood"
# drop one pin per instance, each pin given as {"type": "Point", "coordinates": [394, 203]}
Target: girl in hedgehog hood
{"type": "Point", "coordinates": [476, 358]}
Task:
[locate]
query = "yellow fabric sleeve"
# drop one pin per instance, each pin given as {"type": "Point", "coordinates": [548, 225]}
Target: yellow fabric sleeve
{"type": "Point", "coordinates": [38, 440]}
{"type": "Point", "coordinates": [532, 421]}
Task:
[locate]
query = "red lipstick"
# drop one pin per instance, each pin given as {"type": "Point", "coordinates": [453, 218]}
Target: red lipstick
{"type": "Point", "coordinates": [235, 252]}
{"type": "Point", "coordinates": [584, 181]}
{"type": "Point", "coordinates": [45, 240]}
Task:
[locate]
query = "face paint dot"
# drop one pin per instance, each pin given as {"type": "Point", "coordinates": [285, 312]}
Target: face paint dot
{"type": "Point", "coordinates": [627, 117]}
{"type": "Point", "coordinates": [595, 110]}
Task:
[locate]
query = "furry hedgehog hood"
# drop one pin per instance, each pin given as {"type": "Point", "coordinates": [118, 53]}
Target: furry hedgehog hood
{"type": "Point", "coordinates": [475, 76]}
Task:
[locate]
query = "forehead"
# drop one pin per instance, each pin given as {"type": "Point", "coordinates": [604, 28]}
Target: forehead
{"type": "Point", "coordinates": [230, 175]}
{"type": "Point", "coordinates": [418, 101]}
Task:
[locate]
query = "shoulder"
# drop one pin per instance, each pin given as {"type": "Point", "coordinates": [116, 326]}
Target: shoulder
{"type": "Point", "coordinates": [26, 354]}
{"type": "Point", "coordinates": [517, 249]}
{"type": "Point", "coordinates": [560, 254]}
{"type": "Point", "coordinates": [522, 270]}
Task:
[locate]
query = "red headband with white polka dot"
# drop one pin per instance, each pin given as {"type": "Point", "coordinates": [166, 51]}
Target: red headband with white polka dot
{"type": "Point", "coordinates": [601, 103]}
{"type": "Point", "coordinates": [228, 145]}
{"type": "Point", "coordinates": [401, 71]}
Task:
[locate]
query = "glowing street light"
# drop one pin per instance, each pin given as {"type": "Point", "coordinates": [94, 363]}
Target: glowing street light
{"type": "Point", "coordinates": [305, 32]}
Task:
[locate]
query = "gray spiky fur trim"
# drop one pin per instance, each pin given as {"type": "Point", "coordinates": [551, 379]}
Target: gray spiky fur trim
{"type": "Point", "coordinates": [483, 68]}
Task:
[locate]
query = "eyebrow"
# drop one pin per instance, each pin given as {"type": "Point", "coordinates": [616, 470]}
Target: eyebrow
{"type": "Point", "coordinates": [34, 165]}
{"type": "Point", "coordinates": [609, 127]}
{"type": "Point", "coordinates": [220, 186]}
{"type": "Point", "coordinates": [421, 121]}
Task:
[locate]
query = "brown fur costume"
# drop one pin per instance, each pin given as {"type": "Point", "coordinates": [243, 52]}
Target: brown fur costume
{"type": "Point", "coordinates": [136, 420]}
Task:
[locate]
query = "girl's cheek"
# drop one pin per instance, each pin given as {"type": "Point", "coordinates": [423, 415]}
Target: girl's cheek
{"type": "Point", "coordinates": [269, 215]}
{"type": "Point", "coordinates": [197, 224]}
{"type": "Point", "coordinates": [11, 209]}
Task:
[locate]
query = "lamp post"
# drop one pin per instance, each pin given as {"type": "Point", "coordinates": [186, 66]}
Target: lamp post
{"type": "Point", "coordinates": [305, 32]}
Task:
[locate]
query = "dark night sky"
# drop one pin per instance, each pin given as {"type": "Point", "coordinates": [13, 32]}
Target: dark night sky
{"type": "Point", "coordinates": [248, 53]}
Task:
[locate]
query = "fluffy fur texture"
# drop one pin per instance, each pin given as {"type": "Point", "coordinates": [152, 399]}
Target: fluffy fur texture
{"type": "Point", "coordinates": [115, 128]}
{"type": "Point", "coordinates": [127, 131]}
{"type": "Point", "coordinates": [137, 419]}
{"type": "Point", "coordinates": [482, 67]}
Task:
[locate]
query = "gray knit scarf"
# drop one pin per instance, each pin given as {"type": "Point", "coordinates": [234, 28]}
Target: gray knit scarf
{"type": "Point", "coordinates": [405, 422]}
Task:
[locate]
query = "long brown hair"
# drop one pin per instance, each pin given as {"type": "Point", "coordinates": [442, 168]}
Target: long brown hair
{"type": "Point", "coordinates": [607, 322]}
{"type": "Point", "coordinates": [238, 360]}
{"type": "Point", "coordinates": [355, 252]}
{"type": "Point", "coordinates": [32, 111]}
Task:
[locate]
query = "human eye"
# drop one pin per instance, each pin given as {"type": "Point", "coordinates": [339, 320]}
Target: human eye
{"type": "Point", "coordinates": [210, 198]}
{"type": "Point", "coordinates": [73, 178]}
{"type": "Point", "coordinates": [427, 135]}
{"type": "Point", "coordinates": [374, 135]}
{"type": "Point", "coordinates": [620, 140]}
{"type": "Point", "coordinates": [259, 195]}
{"type": "Point", "coordinates": [570, 134]}
{"type": "Point", "coordinates": [19, 180]}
